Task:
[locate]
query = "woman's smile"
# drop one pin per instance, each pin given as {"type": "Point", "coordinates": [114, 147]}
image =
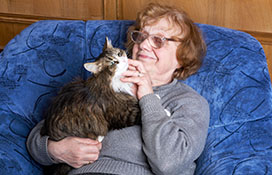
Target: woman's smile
{"type": "Point", "coordinates": [143, 56]}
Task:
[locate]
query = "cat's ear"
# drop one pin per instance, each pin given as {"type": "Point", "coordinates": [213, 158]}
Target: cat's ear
{"type": "Point", "coordinates": [91, 67]}
{"type": "Point", "coordinates": [107, 44]}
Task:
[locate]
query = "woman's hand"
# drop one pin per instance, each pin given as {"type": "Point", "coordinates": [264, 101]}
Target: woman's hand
{"type": "Point", "coordinates": [74, 151]}
{"type": "Point", "coordinates": [137, 74]}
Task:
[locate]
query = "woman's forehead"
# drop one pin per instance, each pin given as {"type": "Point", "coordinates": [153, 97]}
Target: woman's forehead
{"type": "Point", "coordinates": [163, 25]}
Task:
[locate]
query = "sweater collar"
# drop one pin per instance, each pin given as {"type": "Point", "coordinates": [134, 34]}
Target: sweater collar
{"type": "Point", "coordinates": [166, 86]}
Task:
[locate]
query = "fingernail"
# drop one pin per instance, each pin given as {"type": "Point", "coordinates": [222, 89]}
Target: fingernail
{"type": "Point", "coordinates": [100, 138]}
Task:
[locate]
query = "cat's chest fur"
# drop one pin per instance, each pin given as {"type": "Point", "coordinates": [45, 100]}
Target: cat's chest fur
{"type": "Point", "coordinates": [120, 86]}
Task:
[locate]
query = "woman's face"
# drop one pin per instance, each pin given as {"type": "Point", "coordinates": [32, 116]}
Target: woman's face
{"type": "Point", "coordinates": [159, 63]}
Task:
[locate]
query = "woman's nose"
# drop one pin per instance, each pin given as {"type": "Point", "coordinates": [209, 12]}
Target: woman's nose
{"type": "Point", "coordinates": [145, 45]}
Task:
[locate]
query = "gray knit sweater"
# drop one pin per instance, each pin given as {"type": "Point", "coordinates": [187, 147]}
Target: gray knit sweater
{"type": "Point", "coordinates": [174, 127]}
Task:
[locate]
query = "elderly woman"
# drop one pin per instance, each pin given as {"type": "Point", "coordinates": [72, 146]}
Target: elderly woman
{"type": "Point", "coordinates": [166, 46]}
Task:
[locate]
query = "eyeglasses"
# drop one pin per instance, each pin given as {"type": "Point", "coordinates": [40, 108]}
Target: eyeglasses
{"type": "Point", "coordinates": [155, 41]}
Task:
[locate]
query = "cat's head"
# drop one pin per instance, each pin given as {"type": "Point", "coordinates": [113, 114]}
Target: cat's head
{"type": "Point", "coordinates": [114, 59]}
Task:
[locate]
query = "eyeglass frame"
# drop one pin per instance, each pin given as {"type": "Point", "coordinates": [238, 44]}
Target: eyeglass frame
{"type": "Point", "coordinates": [150, 42]}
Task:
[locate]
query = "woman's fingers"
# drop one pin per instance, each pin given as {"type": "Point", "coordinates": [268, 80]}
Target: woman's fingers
{"type": "Point", "coordinates": [133, 73]}
{"type": "Point", "coordinates": [137, 74]}
{"type": "Point", "coordinates": [75, 151]}
{"type": "Point", "coordinates": [137, 65]}
{"type": "Point", "coordinates": [131, 68]}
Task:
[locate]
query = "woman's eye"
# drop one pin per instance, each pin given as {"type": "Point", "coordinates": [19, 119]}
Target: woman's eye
{"type": "Point", "coordinates": [141, 37]}
{"type": "Point", "coordinates": [157, 40]}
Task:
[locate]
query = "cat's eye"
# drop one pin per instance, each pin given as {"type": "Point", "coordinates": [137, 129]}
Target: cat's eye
{"type": "Point", "coordinates": [114, 62]}
{"type": "Point", "coordinates": [120, 54]}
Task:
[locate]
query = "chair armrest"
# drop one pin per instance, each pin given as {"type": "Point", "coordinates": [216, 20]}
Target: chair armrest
{"type": "Point", "coordinates": [14, 158]}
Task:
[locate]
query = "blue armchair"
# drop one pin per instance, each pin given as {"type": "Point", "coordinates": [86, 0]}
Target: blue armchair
{"type": "Point", "coordinates": [234, 79]}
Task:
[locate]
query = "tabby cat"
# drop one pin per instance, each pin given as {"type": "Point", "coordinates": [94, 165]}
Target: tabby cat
{"type": "Point", "coordinates": [90, 108]}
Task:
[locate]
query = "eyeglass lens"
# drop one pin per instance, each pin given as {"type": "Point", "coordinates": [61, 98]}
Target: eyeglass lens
{"type": "Point", "coordinates": [139, 37]}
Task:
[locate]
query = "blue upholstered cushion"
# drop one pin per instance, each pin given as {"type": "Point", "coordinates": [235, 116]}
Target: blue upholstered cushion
{"type": "Point", "coordinates": [234, 79]}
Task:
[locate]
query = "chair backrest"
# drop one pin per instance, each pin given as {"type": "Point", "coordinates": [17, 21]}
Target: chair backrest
{"type": "Point", "coordinates": [234, 79]}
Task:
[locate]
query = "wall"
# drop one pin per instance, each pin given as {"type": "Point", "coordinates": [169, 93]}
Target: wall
{"type": "Point", "coordinates": [252, 16]}
{"type": "Point", "coordinates": [15, 15]}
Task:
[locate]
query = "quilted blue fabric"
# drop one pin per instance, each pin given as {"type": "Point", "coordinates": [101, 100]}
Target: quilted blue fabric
{"type": "Point", "coordinates": [234, 79]}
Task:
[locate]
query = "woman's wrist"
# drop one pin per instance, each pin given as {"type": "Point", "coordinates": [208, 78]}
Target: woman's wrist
{"type": "Point", "coordinates": [53, 151]}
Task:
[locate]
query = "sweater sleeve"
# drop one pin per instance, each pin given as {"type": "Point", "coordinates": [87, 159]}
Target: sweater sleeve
{"type": "Point", "coordinates": [173, 140]}
{"type": "Point", "coordinates": [37, 146]}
